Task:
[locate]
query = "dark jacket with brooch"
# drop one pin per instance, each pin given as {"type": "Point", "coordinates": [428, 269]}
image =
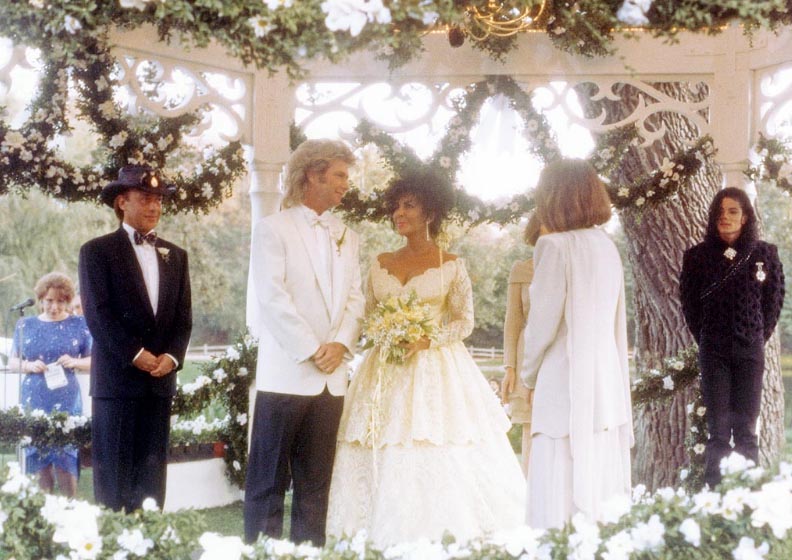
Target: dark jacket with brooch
{"type": "Point", "coordinates": [727, 299]}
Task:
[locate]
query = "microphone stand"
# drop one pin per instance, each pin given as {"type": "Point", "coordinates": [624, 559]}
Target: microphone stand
{"type": "Point", "coordinates": [20, 373]}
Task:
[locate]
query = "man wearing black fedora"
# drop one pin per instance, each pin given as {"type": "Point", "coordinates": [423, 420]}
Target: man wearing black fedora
{"type": "Point", "coordinates": [136, 299]}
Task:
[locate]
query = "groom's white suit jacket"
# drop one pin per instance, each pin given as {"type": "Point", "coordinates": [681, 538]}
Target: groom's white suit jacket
{"type": "Point", "coordinates": [292, 307]}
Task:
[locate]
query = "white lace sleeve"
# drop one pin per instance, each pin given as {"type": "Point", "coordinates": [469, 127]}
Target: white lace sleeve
{"type": "Point", "coordinates": [459, 308]}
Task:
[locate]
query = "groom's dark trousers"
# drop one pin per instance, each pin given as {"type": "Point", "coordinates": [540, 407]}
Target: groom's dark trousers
{"type": "Point", "coordinates": [293, 438]}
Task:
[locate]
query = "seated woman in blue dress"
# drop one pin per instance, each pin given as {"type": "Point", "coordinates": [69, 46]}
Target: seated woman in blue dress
{"type": "Point", "coordinates": [53, 338]}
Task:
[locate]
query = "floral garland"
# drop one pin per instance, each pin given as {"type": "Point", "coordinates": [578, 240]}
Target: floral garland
{"type": "Point", "coordinates": [28, 160]}
{"type": "Point", "coordinates": [39, 429]}
{"type": "Point", "coordinates": [677, 373]}
{"type": "Point", "coordinates": [284, 34]}
{"type": "Point", "coordinates": [226, 380]}
{"type": "Point", "coordinates": [695, 444]}
{"type": "Point", "coordinates": [749, 515]}
{"type": "Point", "coordinates": [273, 34]}
{"type": "Point", "coordinates": [470, 211]}
{"type": "Point", "coordinates": [664, 183]}
{"type": "Point", "coordinates": [775, 163]}
{"type": "Point", "coordinates": [661, 384]}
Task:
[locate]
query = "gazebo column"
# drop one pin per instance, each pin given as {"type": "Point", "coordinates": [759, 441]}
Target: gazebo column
{"type": "Point", "coordinates": [273, 110]}
{"type": "Point", "coordinates": [264, 188]}
{"type": "Point", "coordinates": [731, 92]}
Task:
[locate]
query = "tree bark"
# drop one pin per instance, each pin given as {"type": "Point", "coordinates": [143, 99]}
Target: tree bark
{"type": "Point", "coordinates": [656, 239]}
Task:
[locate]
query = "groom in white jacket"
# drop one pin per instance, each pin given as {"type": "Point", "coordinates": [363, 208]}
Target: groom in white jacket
{"type": "Point", "coordinates": [306, 309]}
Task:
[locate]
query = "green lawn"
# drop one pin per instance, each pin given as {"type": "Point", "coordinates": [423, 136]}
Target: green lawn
{"type": "Point", "coordinates": [786, 365]}
{"type": "Point", "coordinates": [786, 372]}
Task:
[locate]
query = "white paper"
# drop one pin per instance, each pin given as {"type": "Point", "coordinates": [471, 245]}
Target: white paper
{"type": "Point", "coordinates": [55, 376]}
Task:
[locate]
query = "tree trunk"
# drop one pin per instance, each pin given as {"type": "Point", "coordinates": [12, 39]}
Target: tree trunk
{"type": "Point", "coordinates": [656, 239]}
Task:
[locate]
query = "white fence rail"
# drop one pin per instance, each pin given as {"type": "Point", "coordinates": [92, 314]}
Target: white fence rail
{"type": "Point", "coordinates": [486, 353]}
{"type": "Point", "coordinates": [205, 352]}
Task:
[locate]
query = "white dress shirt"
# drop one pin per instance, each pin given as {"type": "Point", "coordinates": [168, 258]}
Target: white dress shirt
{"type": "Point", "coordinates": [324, 242]}
{"type": "Point", "coordinates": [147, 259]}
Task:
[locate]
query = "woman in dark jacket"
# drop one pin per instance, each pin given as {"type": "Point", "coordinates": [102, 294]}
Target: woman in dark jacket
{"type": "Point", "coordinates": [732, 289]}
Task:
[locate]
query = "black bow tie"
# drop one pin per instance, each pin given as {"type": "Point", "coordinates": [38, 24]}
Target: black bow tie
{"type": "Point", "coordinates": [150, 238]}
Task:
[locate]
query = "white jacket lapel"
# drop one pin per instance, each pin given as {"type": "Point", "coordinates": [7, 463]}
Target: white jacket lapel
{"type": "Point", "coordinates": [308, 240]}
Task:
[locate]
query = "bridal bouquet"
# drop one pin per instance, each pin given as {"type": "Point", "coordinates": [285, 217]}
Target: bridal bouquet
{"type": "Point", "coordinates": [395, 321]}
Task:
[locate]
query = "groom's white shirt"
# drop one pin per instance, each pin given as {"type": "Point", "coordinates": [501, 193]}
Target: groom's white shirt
{"type": "Point", "coordinates": [297, 304]}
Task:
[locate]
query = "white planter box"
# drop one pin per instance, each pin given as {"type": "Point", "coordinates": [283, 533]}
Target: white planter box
{"type": "Point", "coordinates": [199, 485]}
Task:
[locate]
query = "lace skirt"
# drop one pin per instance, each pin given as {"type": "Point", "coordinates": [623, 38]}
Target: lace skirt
{"type": "Point", "coordinates": [439, 396]}
{"type": "Point", "coordinates": [437, 461]}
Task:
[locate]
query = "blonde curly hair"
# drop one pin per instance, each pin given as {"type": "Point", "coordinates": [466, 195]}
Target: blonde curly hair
{"type": "Point", "coordinates": [312, 156]}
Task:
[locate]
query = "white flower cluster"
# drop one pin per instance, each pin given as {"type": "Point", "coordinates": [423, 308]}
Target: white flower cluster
{"type": "Point", "coordinates": [649, 528]}
{"type": "Point", "coordinates": [136, 4]}
{"type": "Point", "coordinates": [200, 425]}
{"type": "Point", "coordinates": [66, 426]}
{"type": "Point", "coordinates": [219, 547]}
{"type": "Point", "coordinates": [200, 381]}
{"type": "Point", "coordinates": [633, 12]}
{"type": "Point", "coordinates": [775, 165]}
{"type": "Point", "coordinates": [352, 15]}
{"type": "Point", "coordinates": [17, 483]}
{"type": "Point", "coordinates": [75, 525]}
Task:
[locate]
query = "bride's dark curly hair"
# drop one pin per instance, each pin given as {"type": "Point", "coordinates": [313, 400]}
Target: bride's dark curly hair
{"type": "Point", "coordinates": [433, 192]}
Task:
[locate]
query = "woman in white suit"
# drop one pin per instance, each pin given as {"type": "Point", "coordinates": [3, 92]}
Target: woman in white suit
{"type": "Point", "coordinates": [575, 353]}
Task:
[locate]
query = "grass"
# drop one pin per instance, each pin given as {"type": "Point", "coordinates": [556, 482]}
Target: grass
{"type": "Point", "coordinates": [786, 365]}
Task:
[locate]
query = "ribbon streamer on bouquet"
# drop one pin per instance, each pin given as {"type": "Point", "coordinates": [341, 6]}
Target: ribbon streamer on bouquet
{"type": "Point", "coordinates": [374, 432]}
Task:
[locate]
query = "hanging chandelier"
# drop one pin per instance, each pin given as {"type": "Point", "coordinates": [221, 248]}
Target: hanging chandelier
{"type": "Point", "coordinates": [502, 19]}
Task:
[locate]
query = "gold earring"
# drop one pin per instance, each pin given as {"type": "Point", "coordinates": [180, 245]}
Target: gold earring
{"type": "Point", "coordinates": [428, 237]}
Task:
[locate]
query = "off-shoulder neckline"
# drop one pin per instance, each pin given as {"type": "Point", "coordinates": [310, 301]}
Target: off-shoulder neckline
{"type": "Point", "coordinates": [419, 275]}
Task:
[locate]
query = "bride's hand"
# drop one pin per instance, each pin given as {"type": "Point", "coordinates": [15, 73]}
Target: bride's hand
{"type": "Point", "coordinates": [413, 347]}
{"type": "Point", "coordinates": [507, 384]}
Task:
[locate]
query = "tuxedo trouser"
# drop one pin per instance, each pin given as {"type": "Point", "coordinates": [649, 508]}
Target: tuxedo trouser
{"type": "Point", "coordinates": [731, 388]}
{"type": "Point", "coordinates": [294, 438]}
{"type": "Point", "coordinates": [129, 450]}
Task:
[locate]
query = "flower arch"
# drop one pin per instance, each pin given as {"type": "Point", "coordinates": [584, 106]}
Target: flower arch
{"type": "Point", "coordinates": [471, 210]}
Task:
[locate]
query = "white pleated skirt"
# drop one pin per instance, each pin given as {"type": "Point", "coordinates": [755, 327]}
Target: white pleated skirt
{"type": "Point", "coordinates": [550, 501]}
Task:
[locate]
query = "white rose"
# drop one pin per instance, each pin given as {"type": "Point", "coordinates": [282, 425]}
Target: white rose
{"type": "Point", "coordinates": [118, 140]}
{"type": "Point", "coordinates": [71, 24]}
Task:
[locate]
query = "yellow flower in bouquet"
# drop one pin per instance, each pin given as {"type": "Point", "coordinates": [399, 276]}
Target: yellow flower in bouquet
{"type": "Point", "coordinates": [398, 320]}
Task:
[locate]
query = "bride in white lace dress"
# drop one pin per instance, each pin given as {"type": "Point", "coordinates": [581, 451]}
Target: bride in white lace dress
{"type": "Point", "coordinates": [439, 460]}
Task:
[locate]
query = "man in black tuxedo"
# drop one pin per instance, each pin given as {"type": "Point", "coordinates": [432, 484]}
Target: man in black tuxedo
{"type": "Point", "coordinates": [136, 299]}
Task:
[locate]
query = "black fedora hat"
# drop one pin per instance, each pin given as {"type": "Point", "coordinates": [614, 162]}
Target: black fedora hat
{"type": "Point", "coordinates": [140, 177]}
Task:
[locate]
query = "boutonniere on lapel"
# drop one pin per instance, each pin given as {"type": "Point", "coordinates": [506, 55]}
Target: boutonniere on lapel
{"type": "Point", "coordinates": [760, 273]}
{"type": "Point", "coordinates": [164, 253]}
{"type": "Point", "coordinates": [340, 242]}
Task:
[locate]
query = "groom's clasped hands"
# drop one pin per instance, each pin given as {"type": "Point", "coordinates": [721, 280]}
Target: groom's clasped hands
{"type": "Point", "coordinates": [329, 356]}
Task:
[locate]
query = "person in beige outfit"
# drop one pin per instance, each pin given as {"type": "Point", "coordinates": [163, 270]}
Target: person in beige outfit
{"type": "Point", "coordinates": [517, 396]}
